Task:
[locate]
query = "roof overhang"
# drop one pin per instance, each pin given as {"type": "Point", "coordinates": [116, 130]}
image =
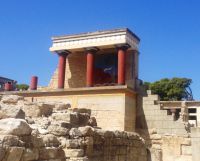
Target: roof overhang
{"type": "Point", "coordinates": [99, 39]}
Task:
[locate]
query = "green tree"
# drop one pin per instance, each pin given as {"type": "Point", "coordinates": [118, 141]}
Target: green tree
{"type": "Point", "coordinates": [22, 87]}
{"type": "Point", "coordinates": [171, 89]}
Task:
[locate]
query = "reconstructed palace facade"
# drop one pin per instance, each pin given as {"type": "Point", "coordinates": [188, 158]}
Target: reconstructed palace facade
{"type": "Point", "coordinates": [98, 71]}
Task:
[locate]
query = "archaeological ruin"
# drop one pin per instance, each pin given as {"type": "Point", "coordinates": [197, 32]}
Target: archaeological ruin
{"type": "Point", "coordinates": [95, 109]}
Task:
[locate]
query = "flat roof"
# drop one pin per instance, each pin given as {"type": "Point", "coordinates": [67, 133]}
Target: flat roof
{"type": "Point", "coordinates": [102, 39]}
{"type": "Point", "coordinates": [6, 79]}
{"type": "Point", "coordinates": [100, 32]}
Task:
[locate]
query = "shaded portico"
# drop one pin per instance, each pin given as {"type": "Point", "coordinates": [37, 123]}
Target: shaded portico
{"type": "Point", "coordinates": [88, 45]}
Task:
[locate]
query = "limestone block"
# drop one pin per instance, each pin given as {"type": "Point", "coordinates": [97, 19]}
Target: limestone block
{"type": "Point", "coordinates": [75, 133]}
{"type": "Point", "coordinates": [51, 153]}
{"type": "Point", "coordinates": [38, 109]}
{"type": "Point", "coordinates": [50, 140]}
{"type": "Point", "coordinates": [11, 111]}
{"type": "Point", "coordinates": [73, 143]}
{"type": "Point", "coordinates": [156, 155]}
{"type": "Point", "coordinates": [71, 118]}
{"type": "Point", "coordinates": [30, 154]}
{"type": "Point", "coordinates": [2, 153]}
{"type": "Point", "coordinates": [148, 102]}
{"type": "Point", "coordinates": [11, 126]}
{"type": "Point", "coordinates": [14, 154]}
{"type": "Point", "coordinates": [11, 99]}
{"type": "Point", "coordinates": [105, 133]}
{"type": "Point", "coordinates": [86, 131]}
{"type": "Point", "coordinates": [186, 141]}
{"type": "Point", "coordinates": [58, 130]}
{"type": "Point", "coordinates": [186, 150]}
{"type": "Point", "coordinates": [73, 152]}
{"type": "Point", "coordinates": [151, 107]}
{"type": "Point", "coordinates": [9, 140]}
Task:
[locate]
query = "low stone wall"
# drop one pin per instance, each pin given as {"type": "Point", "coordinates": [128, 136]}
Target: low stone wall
{"type": "Point", "coordinates": [39, 131]}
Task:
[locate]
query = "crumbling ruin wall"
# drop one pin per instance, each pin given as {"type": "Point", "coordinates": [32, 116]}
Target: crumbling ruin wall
{"type": "Point", "coordinates": [39, 131]}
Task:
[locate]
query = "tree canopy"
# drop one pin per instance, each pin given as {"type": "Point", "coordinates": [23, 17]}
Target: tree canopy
{"type": "Point", "coordinates": [171, 89]}
{"type": "Point", "coordinates": [22, 87]}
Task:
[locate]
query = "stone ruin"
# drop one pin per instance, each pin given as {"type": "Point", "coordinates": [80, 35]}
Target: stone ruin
{"type": "Point", "coordinates": [53, 131]}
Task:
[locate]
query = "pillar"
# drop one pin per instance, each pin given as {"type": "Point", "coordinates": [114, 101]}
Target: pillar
{"type": "Point", "coordinates": [61, 69]}
{"type": "Point", "coordinates": [34, 82]}
{"type": "Point", "coordinates": [90, 66]}
{"type": "Point", "coordinates": [173, 111]}
{"type": "Point", "coordinates": [8, 86]}
{"type": "Point", "coordinates": [121, 63]}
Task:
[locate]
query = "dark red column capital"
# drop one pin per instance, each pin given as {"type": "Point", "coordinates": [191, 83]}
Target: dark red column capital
{"type": "Point", "coordinates": [90, 66]}
{"type": "Point", "coordinates": [61, 68]}
{"type": "Point", "coordinates": [121, 51]}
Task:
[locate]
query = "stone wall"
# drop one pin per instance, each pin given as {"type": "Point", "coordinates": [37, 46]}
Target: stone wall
{"type": "Point", "coordinates": [44, 131]}
{"type": "Point", "coordinates": [166, 139]}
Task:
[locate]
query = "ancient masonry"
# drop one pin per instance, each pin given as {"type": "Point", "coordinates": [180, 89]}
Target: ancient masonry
{"type": "Point", "coordinates": [54, 132]}
{"type": "Point", "coordinates": [95, 109]}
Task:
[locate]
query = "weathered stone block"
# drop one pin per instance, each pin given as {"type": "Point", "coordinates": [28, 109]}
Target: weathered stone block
{"type": "Point", "coordinates": [11, 99]}
{"type": "Point", "coordinates": [30, 154]}
{"type": "Point", "coordinates": [56, 129]}
{"type": "Point", "coordinates": [11, 111]}
{"type": "Point", "coordinates": [50, 140]}
{"type": "Point", "coordinates": [38, 109]}
{"type": "Point", "coordinates": [73, 152]}
{"type": "Point", "coordinates": [186, 150]}
{"type": "Point", "coordinates": [86, 130]}
{"type": "Point", "coordinates": [71, 118]}
{"type": "Point", "coordinates": [51, 153]}
{"type": "Point", "coordinates": [14, 154]}
{"type": "Point", "coordinates": [11, 126]}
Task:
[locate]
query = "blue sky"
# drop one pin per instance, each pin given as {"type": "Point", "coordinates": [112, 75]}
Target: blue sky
{"type": "Point", "coordinates": [169, 31]}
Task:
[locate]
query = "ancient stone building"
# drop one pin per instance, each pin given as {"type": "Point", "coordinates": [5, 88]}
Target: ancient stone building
{"type": "Point", "coordinates": [7, 84]}
{"type": "Point", "coordinates": [95, 109]}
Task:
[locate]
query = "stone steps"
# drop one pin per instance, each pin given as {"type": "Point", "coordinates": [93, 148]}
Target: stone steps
{"type": "Point", "coordinates": [157, 118]}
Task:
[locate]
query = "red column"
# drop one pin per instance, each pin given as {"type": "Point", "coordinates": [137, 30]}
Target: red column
{"type": "Point", "coordinates": [90, 67]}
{"type": "Point", "coordinates": [34, 82]}
{"type": "Point", "coordinates": [121, 64]}
{"type": "Point", "coordinates": [8, 86]}
{"type": "Point", "coordinates": [61, 69]}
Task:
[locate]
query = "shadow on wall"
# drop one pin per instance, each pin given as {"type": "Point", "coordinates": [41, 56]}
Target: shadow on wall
{"type": "Point", "coordinates": [141, 123]}
{"type": "Point", "coordinates": [149, 155]}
